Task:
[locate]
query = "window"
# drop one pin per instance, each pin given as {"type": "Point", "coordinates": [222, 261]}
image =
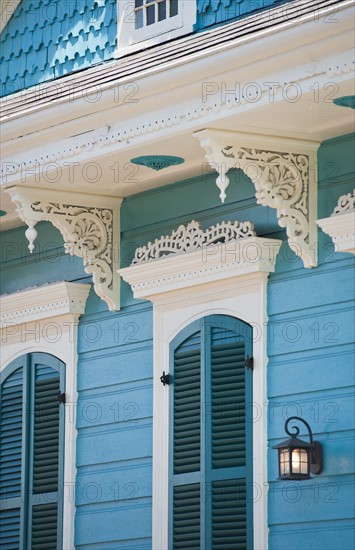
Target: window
{"type": "Point", "coordinates": [32, 453]}
{"type": "Point", "coordinates": [210, 464]}
{"type": "Point", "coordinates": [185, 288]}
{"type": "Point", "coordinates": [45, 319]}
{"type": "Point", "coordinates": [149, 12]}
{"type": "Point", "coordinates": [143, 23]}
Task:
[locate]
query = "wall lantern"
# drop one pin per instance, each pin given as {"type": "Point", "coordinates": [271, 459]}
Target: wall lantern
{"type": "Point", "coordinates": [297, 458]}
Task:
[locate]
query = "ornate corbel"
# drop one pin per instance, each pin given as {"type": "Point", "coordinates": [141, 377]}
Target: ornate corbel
{"type": "Point", "coordinates": [340, 226]}
{"type": "Point", "coordinates": [90, 228]}
{"type": "Point", "coordinates": [284, 173]}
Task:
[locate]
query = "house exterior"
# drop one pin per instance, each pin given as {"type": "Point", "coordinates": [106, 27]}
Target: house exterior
{"type": "Point", "coordinates": [177, 267]}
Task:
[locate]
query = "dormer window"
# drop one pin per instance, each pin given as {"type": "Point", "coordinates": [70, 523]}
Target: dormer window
{"type": "Point", "coordinates": [143, 23]}
{"type": "Point", "coordinates": [148, 12]}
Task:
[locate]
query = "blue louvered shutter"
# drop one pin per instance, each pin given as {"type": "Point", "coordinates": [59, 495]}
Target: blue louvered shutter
{"type": "Point", "coordinates": [186, 415]}
{"type": "Point", "coordinates": [36, 522]}
{"type": "Point", "coordinates": [230, 469]}
{"type": "Point", "coordinates": [211, 436]}
{"type": "Point", "coordinates": [47, 454]}
{"type": "Point", "coordinates": [11, 442]}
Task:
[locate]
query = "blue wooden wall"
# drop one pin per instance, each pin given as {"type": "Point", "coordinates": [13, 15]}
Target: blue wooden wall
{"type": "Point", "coordinates": [46, 39]}
{"type": "Point", "coordinates": [212, 12]}
{"type": "Point", "coordinates": [309, 372]}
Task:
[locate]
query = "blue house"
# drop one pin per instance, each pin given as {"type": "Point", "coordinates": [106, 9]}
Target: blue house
{"type": "Point", "coordinates": [177, 269]}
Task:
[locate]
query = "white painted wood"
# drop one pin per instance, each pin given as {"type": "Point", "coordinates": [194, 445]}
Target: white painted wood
{"type": "Point", "coordinates": [131, 39]}
{"type": "Point", "coordinates": [216, 262]}
{"type": "Point", "coordinates": [45, 319]}
{"type": "Point", "coordinates": [331, 47]}
{"type": "Point", "coordinates": [284, 173]}
{"type": "Point", "coordinates": [340, 226]}
{"type": "Point", "coordinates": [90, 227]}
{"type": "Point", "coordinates": [341, 229]}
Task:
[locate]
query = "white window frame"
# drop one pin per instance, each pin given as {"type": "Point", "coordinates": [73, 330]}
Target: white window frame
{"type": "Point", "coordinates": [131, 39]}
{"type": "Point", "coordinates": [187, 287]}
{"type": "Point", "coordinates": [45, 319]}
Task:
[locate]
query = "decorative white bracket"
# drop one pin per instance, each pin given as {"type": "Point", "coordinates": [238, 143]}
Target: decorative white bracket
{"type": "Point", "coordinates": [341, 224]}
{"type": "Point", "coordinates": [284, 173]}
{"type": "Point", "coordinates": [90, 226]}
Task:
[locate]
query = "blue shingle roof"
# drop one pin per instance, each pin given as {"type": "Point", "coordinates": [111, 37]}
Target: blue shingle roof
{"type": "Point", "coordinates": [212, 12]}
{"type": "Point", "coordinates": [49, 38]}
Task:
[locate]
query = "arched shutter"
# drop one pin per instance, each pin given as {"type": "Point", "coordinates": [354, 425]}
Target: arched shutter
{"type": "Point", "coordinates": [211, 436]}
{"type": "Point", "coordinates": [186, 443]}
{"type": "Point", "coordinates": [32, 436]}
{"type": "Point", "coordinates": [11, 440]}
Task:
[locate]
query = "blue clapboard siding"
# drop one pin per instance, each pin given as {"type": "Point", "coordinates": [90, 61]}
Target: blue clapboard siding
{"type": "Point", "coordinates": [46, 39]}
{"type": "Point", "coordinates": [311, 374]}
{"type": "Point", "coordinates": [114, 420]}
{"type": "Point", "coordinates": [47, 264]}
{"type": "Point", "coordinates": [310, 368]}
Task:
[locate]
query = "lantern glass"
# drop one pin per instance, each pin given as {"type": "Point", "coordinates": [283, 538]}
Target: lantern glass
{"type": "Point", "coordinates": [297, 458]}
{"type": "Point", "coordinates": [299, 461]}
{"type": "Point", "coordinates": [284, 462]}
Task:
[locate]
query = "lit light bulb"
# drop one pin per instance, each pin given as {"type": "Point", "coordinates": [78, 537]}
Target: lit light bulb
{"type": "Point", "coordinates": [296, 460]}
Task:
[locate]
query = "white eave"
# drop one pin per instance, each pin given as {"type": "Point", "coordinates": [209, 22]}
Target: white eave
{"type": "Point", "coordinates": [170, 107]}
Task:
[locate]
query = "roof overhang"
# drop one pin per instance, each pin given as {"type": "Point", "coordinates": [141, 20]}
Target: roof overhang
{"type": "Point", "coordinates": [288, 75]}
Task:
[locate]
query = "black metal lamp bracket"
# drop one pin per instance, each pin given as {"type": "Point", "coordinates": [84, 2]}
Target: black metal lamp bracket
{"type": "Point", "coordinates": [316, 465]}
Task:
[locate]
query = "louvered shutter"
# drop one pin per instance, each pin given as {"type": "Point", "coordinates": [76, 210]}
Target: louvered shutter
{"type": "Point", "coordinates": [47, 447]}
{"type": "Point", "coordinates": [11, 441]}
{"type": "Point", "coordinates": [231, 459]}
{"type": "Point", "coordinates": [211, 436]}
{"type": "Point", "coordinates": [35, 439]}
{"type": "Point", "coordinates": [186, 443]}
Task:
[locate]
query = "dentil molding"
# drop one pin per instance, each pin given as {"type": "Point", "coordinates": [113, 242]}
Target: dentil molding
{"type": "Point", "coordinates": [147, 124]}
{"type": "Point", "coordinates": [190, 257]}
{"type": "Point", "coordinates": [340, 226]}
{"type": "Point", "coordinates": [284, 173]}
{"type": "Point", "coordinates": [43, 302]}
{"type": "Point", "coordinates": [89, 224]}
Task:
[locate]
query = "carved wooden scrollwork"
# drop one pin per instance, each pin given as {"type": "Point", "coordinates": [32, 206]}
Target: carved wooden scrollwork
{"type": "Point", "coordinates": [90, 229]}
{"type": "Point", "coordinates": [284, 176]}
{"type": "Point", "coordinates": [192, 237]}
{"type": "Point", "coordinates": [346, 203]}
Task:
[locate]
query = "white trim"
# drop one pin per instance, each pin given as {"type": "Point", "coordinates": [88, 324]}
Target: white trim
{"type": "Point", "coordinates": [84, 221]}
{"type": "Point", "coordinates": [131, 39]}
{"type": "Point", "coordinates": [214, 262]}
{"type": "Point", "coordinates": [50, 328]}
{"type": "Point", "coordinates": [284, 174]}
{"type": "Point", "coordinates": [243, 295]}
{"type": "Point", "coordinates": [44, 302]}
{"type": "Point", "coordinates": [341, 228]}
{"type": "Point", "coordinates": [267, 47]}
